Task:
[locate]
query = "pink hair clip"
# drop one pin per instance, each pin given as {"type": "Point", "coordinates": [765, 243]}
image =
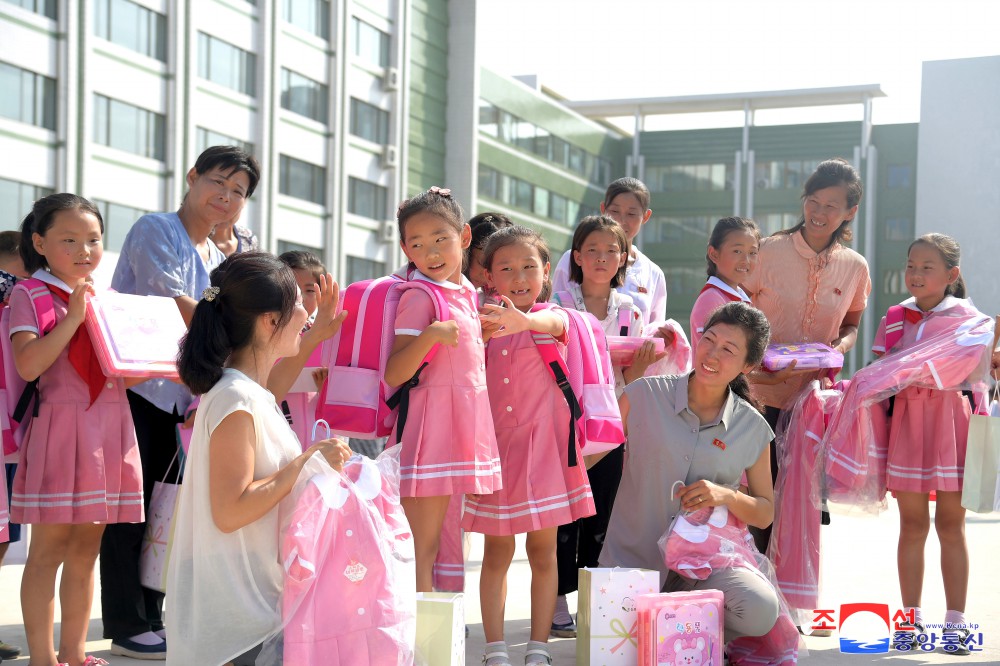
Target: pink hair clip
{"type": "Point", "coordinates": [443, 191]}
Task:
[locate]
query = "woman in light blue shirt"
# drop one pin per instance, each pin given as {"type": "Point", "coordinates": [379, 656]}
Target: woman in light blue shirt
{"type": "Point", "coordinates": [165, 254]}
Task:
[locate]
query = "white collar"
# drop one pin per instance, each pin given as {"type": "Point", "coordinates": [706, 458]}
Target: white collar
{"type": "Point", "coordinates": [49, 278]}
{"type": "Point", "coordinates": [948, 302]}
{"type": "Point", "coordinates": [447, 284]}
{"type": "Point", "coordinates": [719, 284]}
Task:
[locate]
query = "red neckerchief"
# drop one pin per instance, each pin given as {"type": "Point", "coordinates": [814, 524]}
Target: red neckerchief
{"type": "Point", "coordinates": [82, 356]}
{"type": "Point", "coordinates": [731, 297]}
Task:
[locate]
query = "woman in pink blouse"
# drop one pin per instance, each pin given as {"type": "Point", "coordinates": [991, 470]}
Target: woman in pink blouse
{"type": "Point", "coordinates": [810, 285]}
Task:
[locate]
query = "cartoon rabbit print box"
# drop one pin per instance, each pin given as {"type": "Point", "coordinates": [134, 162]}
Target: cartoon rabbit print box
{"type": "Point", "coordinates": [680, 629]}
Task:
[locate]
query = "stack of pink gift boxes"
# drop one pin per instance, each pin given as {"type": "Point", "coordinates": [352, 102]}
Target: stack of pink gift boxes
{"type": "Point", "coordinates": [624, 620]}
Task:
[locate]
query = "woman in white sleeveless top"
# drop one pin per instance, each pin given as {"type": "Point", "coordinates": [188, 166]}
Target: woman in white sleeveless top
{"type": "Point", "coordinates": [225, 579]}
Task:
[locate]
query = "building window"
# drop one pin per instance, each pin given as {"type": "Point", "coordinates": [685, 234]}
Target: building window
{"type": "Point", "coordinates": [288, 246]}
{"type": "Point", "coordinates": [303, 95]}
{"type": "Point", "coordinates": [302, 180]}
{"type": "Point", "coordinates": [127, 24]}
{"type": "Point", "coordinates": [488, 118]}
{"type": "Point", "coordinates": [129, 128]}
{"type": "Point", "coordinates": [366, 199]}
{"type": "Point", "coordinates": [310, 15]}
{"type": "Point", "coordinates": [898, 229]}
{"type": "Point", "coordinates": [894, 282]}
{"type": "Point", "coordinates": [899, 176]}
{"type": "Point", "coordinates": [16, 200]}
{"type": "Point", "coordinates": [363, 269]}
{"type": "Point", "coordinates": [118, 220]}
{"type": "Point", "coordinates": [771, 222]}
{"type": "Point", "coordinates": [206, 137]}
{"type": "Point", "coordinates": [43, 7]}
{"type": "Point", "coordinates": [227, 65]}
{"type": "Point", "coordinates": [27, 97]}
{"type": "Point", "coordinates": [369, 122]}
{"type": "Point", "coordinates": [370, 43]}
{"type": "Point", "coordinates": [558, 208]}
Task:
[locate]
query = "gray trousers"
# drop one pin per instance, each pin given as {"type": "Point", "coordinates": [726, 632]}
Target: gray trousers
{"type": "Point", "coordinates": [750, 602]}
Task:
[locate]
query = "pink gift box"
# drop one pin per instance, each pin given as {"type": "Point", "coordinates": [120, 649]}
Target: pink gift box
{"type": "Point", "coordinates": [808, 355]}
{"type": "Point", "coordinates": [135, 336]}
{"type": "Point", "coordinates": [681, 628]}
{"type": "Point", "coordinates": [623, 348]}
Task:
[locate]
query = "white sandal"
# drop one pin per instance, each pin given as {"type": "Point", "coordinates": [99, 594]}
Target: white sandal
{"type": "Point", "coordinates": [544, 654]}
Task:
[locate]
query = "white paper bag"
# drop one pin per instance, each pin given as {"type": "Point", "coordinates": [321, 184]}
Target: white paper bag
{"type": "Point", "coordinates": [607, 630]}
{"type": "Point", "coordinates": [440, 629]}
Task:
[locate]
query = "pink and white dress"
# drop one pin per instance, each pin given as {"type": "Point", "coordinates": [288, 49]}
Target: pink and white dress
{"type": "Point", "coordinates": [714, 295]}
{"type": "Point", "coordinates": [449, 446]}
{"type": "Point", "coordinates": [947, 351]}
{"type": "Point", "coordinates": [929, 427]}
{"type": "Point", "coordinates": [531, 416]}
{"type": "Point", "coordinates": [79, 461]}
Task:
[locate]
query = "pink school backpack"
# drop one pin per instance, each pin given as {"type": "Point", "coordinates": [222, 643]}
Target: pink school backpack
{"type": "Point", "coordinates": [16, 395]}
{"type": "Point", "coordinates": [355, 399]}
{"type": "Point", "coordinates": [587, 381]}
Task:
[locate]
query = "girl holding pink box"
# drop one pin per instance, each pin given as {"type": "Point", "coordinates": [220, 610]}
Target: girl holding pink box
{"type": "Point", "coordinates": [79, 467]}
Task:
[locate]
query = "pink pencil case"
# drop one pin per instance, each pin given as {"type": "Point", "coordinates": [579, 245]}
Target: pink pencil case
{"type": "Point", "coordinates": [623, 348]}
{"type": "Point", "coordinates": [808, 355]}
{"type": "Point", "coordinates": [135, 336]}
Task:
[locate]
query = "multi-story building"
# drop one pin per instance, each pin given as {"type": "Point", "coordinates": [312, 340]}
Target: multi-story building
{"type": "Point", "coordinates": [115, 99]}
{"type": "Point", "coordinates": [352, 105]}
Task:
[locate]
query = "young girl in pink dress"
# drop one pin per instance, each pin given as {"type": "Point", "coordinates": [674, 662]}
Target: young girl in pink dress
{"type": "Point", "coordinates": [597, 269]}
{"type": "Point", "coordinates": [732, 258]}
{"type": "Point", "coordinates": [540, 490]}
{"type": "Point", "coordinates": [79, 467]}
{"type": "Point", "coordinates": [927, 440]}
{"type": "Point", "coordinates": [448, 443]}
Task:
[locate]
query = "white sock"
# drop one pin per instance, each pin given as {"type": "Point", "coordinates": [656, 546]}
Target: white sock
{"type": "Point", "coordinates": [953, 619]}
{"type": "Point", "coordinates": [917, 615]}
{"type": "Point", "coordinates": [536, 658]}
{"type": "Point", "coordinates": [162, 633]}
{"type": "Point", "coordinates": [496, 646]}
{"type": "Point", "coordinates": [562, 615]}
{"type": "Point", "coordinates": [147, 638]}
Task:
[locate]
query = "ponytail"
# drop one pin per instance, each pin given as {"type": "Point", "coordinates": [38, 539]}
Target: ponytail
{"type": "Point", "coordinates": [40, 219]}
{"type": "Point", "coordinates": [244, 286]}
{"type": "Point", "coordinates": [755, 326]}
{"type": "Point", "coordinates": [205, 349]}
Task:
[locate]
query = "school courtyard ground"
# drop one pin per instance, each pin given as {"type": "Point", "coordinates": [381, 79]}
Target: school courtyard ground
{"type": "Point", "coordinates": [859, 555]}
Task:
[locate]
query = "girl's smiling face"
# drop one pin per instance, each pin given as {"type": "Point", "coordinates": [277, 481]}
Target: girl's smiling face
{"type": "Point", "coordinates": [736, 258]}
{"type": "Point", "coordinates": [72, 245]}
{"type": "Point", "coordinates": [435, 246]}
{"type": "Point", "coordinates": [309, 289]}
{"type": "Point", "coordinates": [600, 256]}
{"type": "Point", "coordinates": [928, 276]}
{"type": "Point", "coordinates": [518, 273]}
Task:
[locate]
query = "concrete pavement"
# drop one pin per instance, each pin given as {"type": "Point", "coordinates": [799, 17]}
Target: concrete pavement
{"type": "Point", "coordinates": [858, 566]}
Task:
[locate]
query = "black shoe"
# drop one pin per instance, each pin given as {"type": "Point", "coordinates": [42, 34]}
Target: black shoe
{"type": "Point", "coordinates": [125, 647]}
{"type": "Point", "coordinates": [8, 651]}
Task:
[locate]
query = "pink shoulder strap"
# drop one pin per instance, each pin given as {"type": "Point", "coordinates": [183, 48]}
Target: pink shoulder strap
{"type": "Point", "coordinates": [41, 299]}
{"type": "Point", "coordinates": [894, 317]}
{"type": "Point", "coordinates": [556, 365]}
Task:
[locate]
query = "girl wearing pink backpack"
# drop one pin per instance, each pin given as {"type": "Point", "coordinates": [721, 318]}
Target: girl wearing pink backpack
{"type": "Point", "coordinates": [448, 444]}
{"type": "Point", "coordinates": [543, 486]}
{"type": "Point", "coordinates": [79, 468]}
